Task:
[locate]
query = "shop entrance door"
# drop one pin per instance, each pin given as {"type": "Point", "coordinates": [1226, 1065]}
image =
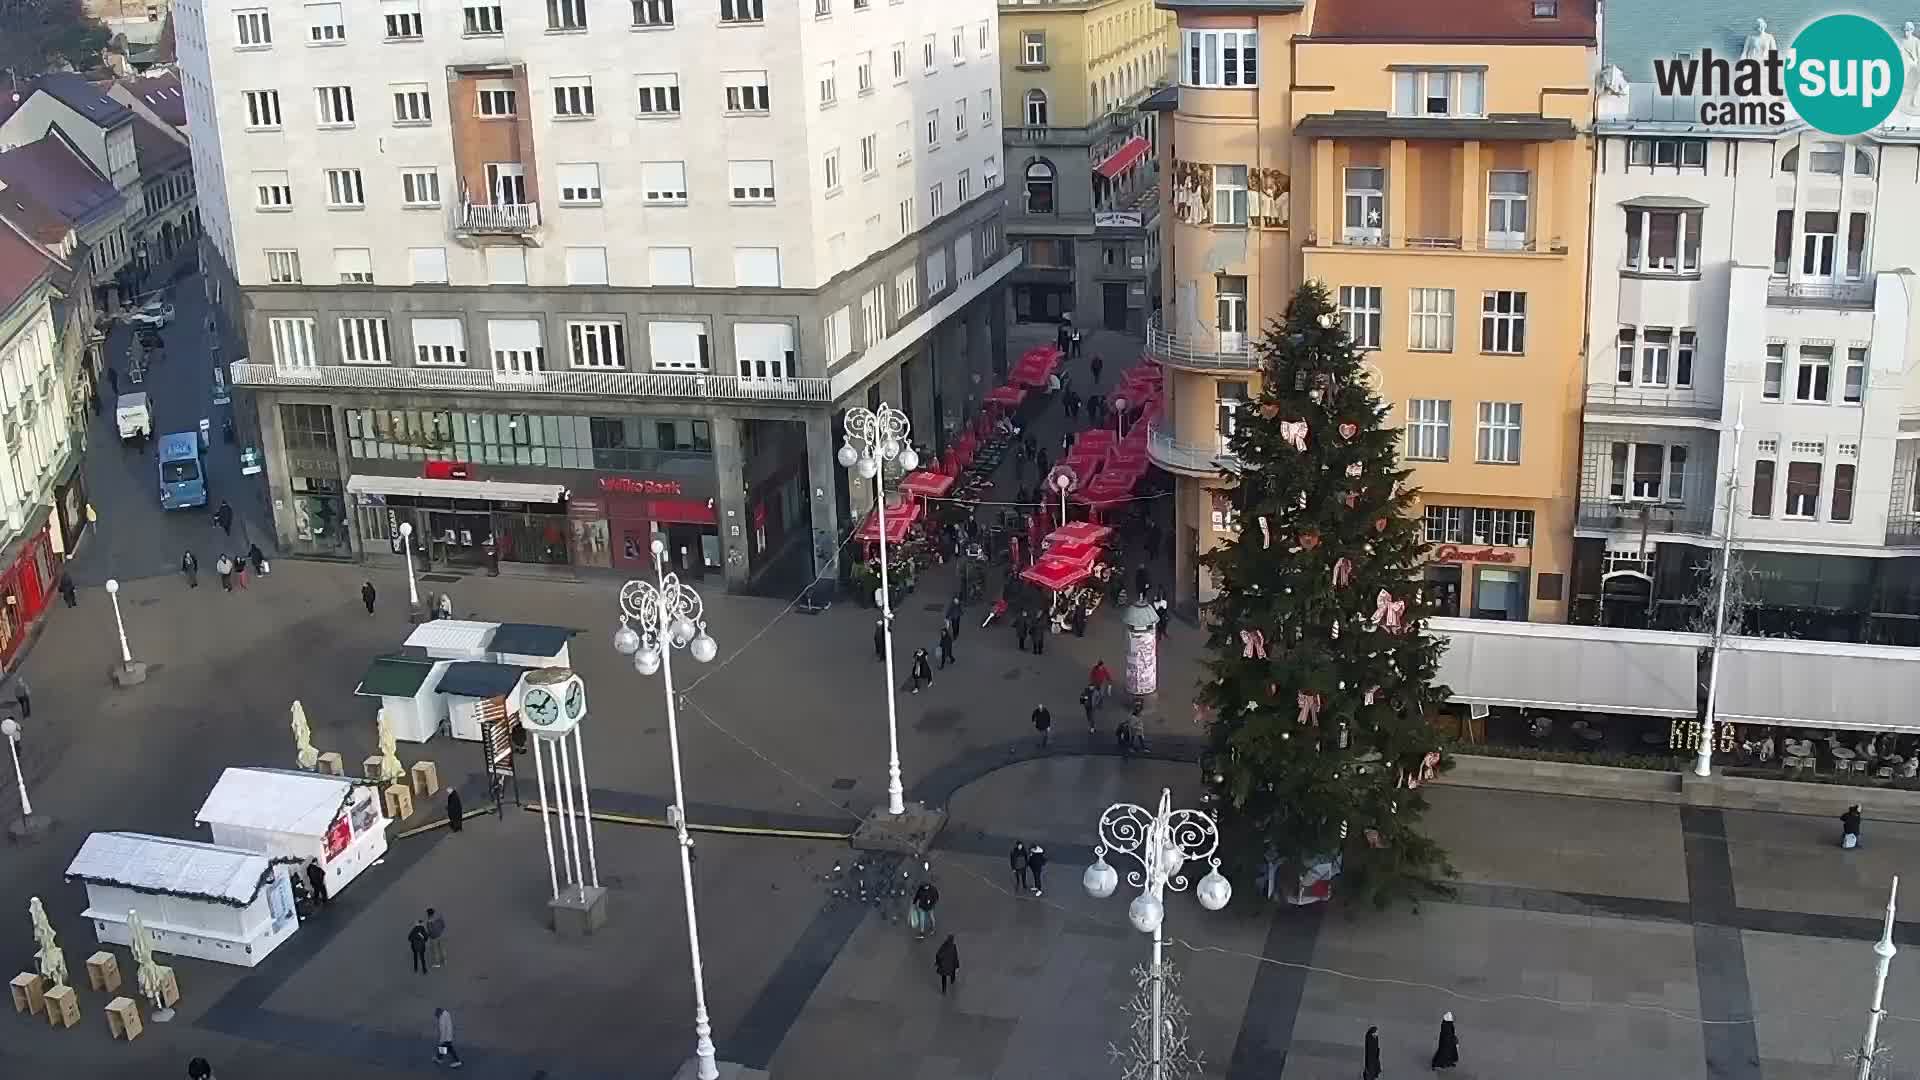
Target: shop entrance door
{"type": "Point", "coordinates": [684, 554]}
{"type": "Point", "coordinates": [1113, 304]}
{"type": "Point", "coordinates": [460, 537]}
{"type": "Point", "coordinates": [1443, 589]}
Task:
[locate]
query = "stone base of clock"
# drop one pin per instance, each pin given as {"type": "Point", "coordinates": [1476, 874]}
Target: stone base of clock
{"type": "Point", "coordinates": [728, 1071]}
{"type": "Point", "coordinates": [131, 673]}
{"type": "Point", "coordinates": [578, 912]}
{"type": "Point", "coordinates": [910, 833]}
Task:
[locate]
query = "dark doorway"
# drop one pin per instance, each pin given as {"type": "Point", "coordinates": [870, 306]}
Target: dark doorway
{"type": "Point", "coordinates": [1443, 589]}
{"type": "Point", "coordinates": [684, 550]}
{"type": "Point", "coordinates": [1625, 599]}
{"type": "Point", "coordinates": [1113, 304]}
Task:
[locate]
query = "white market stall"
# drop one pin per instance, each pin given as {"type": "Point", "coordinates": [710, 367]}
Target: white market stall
{"type": "Point", "coordinates": [531, 645]}
{"type": "Point", "coordinates": [201, 900]}
{"type": "Point", "coordinates": [453, 639]}
{"type": "Point", "coordinates": [477, 691]}
{"type": "Point", "coordinates": [300, 816]}
{"type": "Point", "coordinates": [405, 687]}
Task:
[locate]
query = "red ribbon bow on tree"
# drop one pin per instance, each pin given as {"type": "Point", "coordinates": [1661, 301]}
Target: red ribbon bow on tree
{"type": "Point", "coordinates": [1295, 433]}
{"type": "Point", "coordinates": [1342, 572]}
{"type": "Point", "coordinates": [1388, 612]}
{"type": "Point", "coordinates": [1309, 709]}
{"type": "Point", "coordinates": [1254, 644]}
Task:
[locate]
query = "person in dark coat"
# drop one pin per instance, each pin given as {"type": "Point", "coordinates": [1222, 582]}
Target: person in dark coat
{"type": "Point", "coordinates": [879, 639]}
{"type": "Point", "coordinates": [922, 670]}
{"type": "Point", "coordinates": [1371, 1069]}
{"type": "Point", "coordinates": [1447, 1054]}
{"type": "Point", "coordinates": [317, 878]}
{"type": "Point", "coordinates": [924, 899]}
{"type": "Point", "coordinates": [257, 559]}
{"type": "Point", "coordinates": [456, 813]}
{"type": "Point", "coordinates": [1039, 634]}
{"type": "Point", "coordinates": [1142, 581]}
{"type": "Point", "coordinates": [946, 961]}
{"type": "Point", "coordinates": [946, 645]}
{"type": "Point", "coordinates": [190, 566]}
{"type": "Point", "coordinates": [1850, 826]}
{"type": "Point", "coordinates": [367, 595]}
{"type": "Point", "coordinates": [1036, 862]}
{"type": "Point", "coordinates": [1043, 723]}
{"type": "Point", "coordinates": [1017, 859]}
{"type": "Point", "coordinates": [1094, 366]}
{"type": "Point", "coordinates": [67, 589]}
{"type": "Point", "coordinates": [1089, 701]}
{"type": "Point", "coordinates": [1043, 461]}
{"type": "Point", "coordinates": [1020, 631]}
{"type": "Point", "coordinates": [223, 517]}
{"type": "Point", "coordinates": [955, 608]}
{"type": "Point", "coordinates": [23, 697]}
{"type": "Point", "coordinates": [113, 379]}
{"type": "Point", "coordinates": [417, 942]}
{"type": "Point", "coordinates": [1123, 738]}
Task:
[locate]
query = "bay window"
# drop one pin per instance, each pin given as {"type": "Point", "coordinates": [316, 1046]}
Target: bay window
{"type": "Point", "coordinates": [1220, 58]}
{"type": "Point", "coordinates": [1440, 92]}
{"type": "Point", "coordinates": [1647, 472]}
{"type": "Point", "coordinates": [1663, 241]}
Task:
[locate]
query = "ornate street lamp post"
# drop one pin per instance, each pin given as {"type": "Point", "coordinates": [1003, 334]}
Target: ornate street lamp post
{"type": "Point", "coordinates": [875, 437]}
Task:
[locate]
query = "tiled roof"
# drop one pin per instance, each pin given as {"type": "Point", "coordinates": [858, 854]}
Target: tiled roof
{"type": "Point", "coordinates": [1456, 20]}
{"type": "Point", "coordinates": [162, 94]}
{"type": "Point", "coordinates": [84, 98]}
{"type": "Point", "coordinates": [21, 265]}
{"type": "Point", "coordinates": [1640, 30]}
{"type": "Point", "coordinates": [158, 151]}
{"type": "Point", "coordinates": [49, 170]}
{"type": "Point", "coordinates": [33, 216]}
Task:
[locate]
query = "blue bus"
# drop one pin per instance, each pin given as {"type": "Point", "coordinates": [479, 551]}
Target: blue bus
{"type": "Point", "coordinates": [183, 476]}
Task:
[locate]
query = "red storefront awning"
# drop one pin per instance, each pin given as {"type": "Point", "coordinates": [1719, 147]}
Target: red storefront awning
{"type": "Point", "coordinates": [1117, 162]}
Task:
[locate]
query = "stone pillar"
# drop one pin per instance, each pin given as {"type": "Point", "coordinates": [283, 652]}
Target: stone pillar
{"type": "Point", "coordinates": [279, 492]}
{"type": "Point", "coordinates": [822, 443]}
{"type": "Point", "coordinates": [997, 334]}
{"type": "Point", "coordinates": [1327, 202]}
{"type": "Point", "coordinates": [1472, 192]}
{"type": "Point", "coordinates": [729, 467]}
{"type": "Point", "coordinates": [1399, 212]}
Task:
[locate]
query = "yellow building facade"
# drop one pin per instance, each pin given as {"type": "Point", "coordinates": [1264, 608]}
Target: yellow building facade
{"type": "Point", "coordinates": [1083, 55]}
{"type": "Point", "coordinates": [1432, 170]}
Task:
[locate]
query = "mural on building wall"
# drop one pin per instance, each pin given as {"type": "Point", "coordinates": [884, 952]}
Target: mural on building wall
{"type": "Point", "coordinates": [1269, 193]}
{"type": "Point", "coordinates": [1193, 192]}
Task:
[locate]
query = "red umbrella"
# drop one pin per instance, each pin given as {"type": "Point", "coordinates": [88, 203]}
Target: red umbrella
{"type": "Point", "coordinates": [1081, 532]}
{"type": "Point", "coordinates": [1096, 442]}
{"type": "Point", "coordinates": [1057, 574]}
{"type": "Point", "coordinates": [1072, 550]}
{"type": "Point", "coordinates": [897, 525]}
{"type": "Point", "coordinates": [1029, 374]}
{"type": "Point", "coordinates": [926, 484]}
{"type": "Point", "coordinates": [1083, 465]}
{"type": "Point", "coordinates": [1009, 396]}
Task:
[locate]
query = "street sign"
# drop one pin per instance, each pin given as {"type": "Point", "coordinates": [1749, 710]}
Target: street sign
{"type": "Point", "coordinates": [220, 395]}
{"type": "Point", "coordinates": [250, 462]}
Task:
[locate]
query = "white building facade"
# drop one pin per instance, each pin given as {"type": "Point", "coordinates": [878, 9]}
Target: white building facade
{"type": "Point", "coordinates": [1751, 334]}
{"type": "Point", "coordinates": [638, 255]}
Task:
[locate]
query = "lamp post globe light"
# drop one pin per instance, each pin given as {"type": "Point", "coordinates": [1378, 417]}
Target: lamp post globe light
{"type": "Point", "coordinates": [406, 549]}
{"type": "Point", "coordinates": [657, 617]}
{"type": "Point", "coordinates": [1162, 841]}
{"type": "Point", "coordinates": [11, 729]}
{"type": "Point", "coordinates": [875, 437]}
{"type": "Point", "coordinates": [1063, 480]}
{"type": "Point", "coordinates": [1120, 404]}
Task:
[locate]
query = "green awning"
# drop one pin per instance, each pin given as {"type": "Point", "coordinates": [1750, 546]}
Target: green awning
{"type": "Point", "coordinates": [394, 676]}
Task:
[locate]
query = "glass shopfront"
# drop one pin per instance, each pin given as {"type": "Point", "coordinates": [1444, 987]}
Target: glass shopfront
{"type": "Point", "coordinates": [313, 479]}
{"type": "Point", "coordinates": [455, 532]}
{"type": "Point", "coordinates": [617, 443]}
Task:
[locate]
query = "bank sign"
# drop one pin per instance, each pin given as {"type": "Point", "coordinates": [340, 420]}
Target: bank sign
{"type": "Point", "coordinates": [1843, 75]}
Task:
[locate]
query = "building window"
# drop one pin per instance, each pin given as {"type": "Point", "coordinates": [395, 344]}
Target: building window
{"type": "Point", "coordinates": [272, 190]}
{"type": "Point", "coordinates": [439, 342]}
{"type": "Point", "coordinates": [292, 342]}
{"type": "Point", "coordinates": [420, 186]}
{"type": "Point", "coordinates": [829, 84]}
{"type": "Point", "coordinates": [650, 14]}
{"type": "Point", "coordinates": [428, 265]}
{"type": "Point", "coordinates": [936, 274]}
{"type": "Point", "coordinates": [936, 200]}
{"type": "Point", "coordinates": [586, 265]}
{"type": "Point", "coordinates": [1819, 236]}
{"type": "Point", "coordinates": [663, 182]}
{"type": "Point", "coordinates": [1782, 242]}
{"type": "Point", "coordinates": [1446, 524]}
{"type": "Point", "coordinates": [1776, 371]}
{"type": "Point", "coordinates": [873, 315]}
{"type": "Point", "coordinates": [1841, 508]}
{"type": "Point", "coordinates": [1673, 154]}
{"type": "Point", "coordinates": [660, 94]}
{"type": "Point", "coordinates": [906, 216]}
{"type": "Point", "coordinates": [1361, 308]}
{"type": "Point", "coordinates": [990, 173]}
{"type": "Point", "coordinates": [1036, 104]}
{"type": "Point", "coordinates": [1440, 92]}
{"type": "Point", "coordinates": [1651, 472]}
{"type": "Point", "coordinates": [1803, 489]}
{"type": "Point", "coordinates": [254, 27]}
{"type": "Point", "coordinates": [403, 19]}
{"type": "Point", "coordinates": [1507, 210]}
{"type": "Point", "coordinates": [579, 183]}
{"type": "Point", "coordinates": [365, 340]}
{"type": "Point", "coordinates": [756, 267]}
{"type": "Point", "coordinates": [929, 60]}
{"type": "Point", "coordinates": [1827, 158]}
{"type": "Point", "coordinates": [335, 104]}
{"type": "Point", "coordinates": [573, 97]}
{"type": "Point", "coordinates": [1813, 375]}
{"type": "Point", "coordinates": [830, 171]}
{"type": "Point", "coordinates": [1663, 241]}
{"type": "Point", "coordinates": [601, 345]}
{"type": "Point", "coordinates": [750, 181]}
{"type": "Point", "coordinates": [906, 293]}
{"type": "Point", "coordinates": [742, 11]}
{"type": "Point", "coordinates": [483, 20]}
{"type": "Point", "coordinates": [863, 72]}
{"type": "Point", "coordinates": [1366, 206]}
{"type": "Point", "coordinates": [679, 346]}
{"type": "Point", "coordinates": [1229, 194]}
{"type": "Point", "coordinates": [283, 266]}
{"type": "Point", "coordinates": [412, 104]}
{"type": "Point", "coordinates": [1499, 434]}
{"type": "Point", "coordinates": [836, 333]}
{"type": "Point", "coordinates": [506, 265]}
{"type": "Point", "coordinates": [869, 155]}
{"type": "Point", "coordinates": [986, 108]}
{"type": "Point", "coordinates": [747, 91]}
{"type": "Point", "coordinates": [263, 109]}
{"type": "Point", "coordinates": [960, 119]}
{"type": "Point", "coordinates": [1228, 399]}
{"type": "Point", "coordinates": [496, 99]}
{"type": "Point", "coordinates": [764, 350]}
{"type": "Point", "coordinates": [1503, 321]}
{"type": "Point", "coordinates": [1856, 246]}
{"type": "Point", "coordinates": [353, 266]}
{"type": "Point", "coordinates": [344, 190]}
{"type": "Point", "coordinates": [326, 24]}
{"type": "Point", "coordinates": [1853, 387]}
{"type": "Point", "coordinates": [566, 14]}
{"type": "Point", "coordinates": [1430, 320]}
{"type": "Point", "coordinates": [1429, 429]}
{"type": "Point", "coordinates": [516, 346]}
{"type": "Point", "coordinates": [1039, 191]}
{"type": "Point", "coordinates": [1033, 48]}
{"type": "Point", "coordinates": [963, 185]}
{"type": "Point", "coordinates": [1546, 9]}
{"type": "Point", "coordinates": [1761, 504]}
{"type": "Point", "coordinates": [669, 266]}
{"type": "Point", "coordinates": [1502, 528]}
{"type": "Point", "coordinates": [1220, 58]}
{"type": "Point", "coordinates": [899, 61]}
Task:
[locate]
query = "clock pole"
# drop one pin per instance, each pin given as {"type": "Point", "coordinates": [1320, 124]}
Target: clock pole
{"type": "Point", "coordinates": [553, 705]}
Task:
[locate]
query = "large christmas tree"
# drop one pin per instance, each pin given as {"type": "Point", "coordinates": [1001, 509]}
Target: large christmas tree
{"type": "Point", "coordinates": [1321, 680]}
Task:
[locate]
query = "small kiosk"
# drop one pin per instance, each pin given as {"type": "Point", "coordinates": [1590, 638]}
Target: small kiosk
{"type": "Point", "coordinates": [404, 686]}
{"type": "Point", "coordinates": [453, 639]}
{"type": "Point", "coordinates": [531, 645]}
{"type": "Point", "coordinates": [201, 900]}
{"type": "Point", "coordinates": [300, 817]}
{"type": "Point", "coordinates": [479, 691]}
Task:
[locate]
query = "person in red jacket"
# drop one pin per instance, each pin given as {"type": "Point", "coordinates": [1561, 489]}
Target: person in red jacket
{"type": "Point", "coordinates": [1101, 679]}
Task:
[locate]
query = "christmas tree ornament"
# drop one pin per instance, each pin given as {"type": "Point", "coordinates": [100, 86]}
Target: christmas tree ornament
{"type": "Point", "coordinates": [1314, 395]}
{"type": "Point", "coordinates": [1269, 409]}
{"type": "Point", "coordinates": [1374, 839]}
{"type": "Point", "coordinates": [1341, 740]}
{"type": "Point", "coordinates": [1310, 539]}
{"type": "Point", "coordinates": [1355, 470]}
{"type": "Point", "coordinates": [1333, 630]}
{"type": "Point", "coordinates": [1300, 500]}
{"type": "Point", "coordinates": [1309, 709]}
{"type": "Point", "coordinates": [1350, 499]}
{"type": "Point", "coordinates": [1266, 533]}
{"type": "Point", "coordinates": [1253, 644]}
{"type": "Point", "coordinates": [1343, 830]}
{"type": "Point", "coordinates": [1379, 525]}
{"type": "Point", "coordinates": [1342, 572]}
{"type": "Point", "coordinates": [1367, 698]}
{"type": "Point", "coordinates": [1349, 429]}
{"type": "Point", "coordinates": [1294, 432]}
{"type": "Point", "coordinates": [1328, 321]}
{"type": "Point", "coordinates": [1388, 612]}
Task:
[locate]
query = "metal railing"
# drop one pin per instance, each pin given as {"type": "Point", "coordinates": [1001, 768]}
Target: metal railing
{"type": "Point", "coordinates": [497, 219]}
{"type": "Point", "coordinates": [1200, 351]}
{"type": "Point", "coordinates": [1596, 513]}
{"type": "Point", "coordinates": [1496, 244]}
{"type": "Point", "coordinates": [1820, 294]}
{"type": "Point", "coordinates": [1654, 400]}
{"type": "Point", "coordinates": [640, 384]}
{"type": "Point", "coordinates": [1903, 531]}
{"type": "Point", "coordinates": [1050, 134]}
{"type": "Point", "coordinates": [1169, 453]}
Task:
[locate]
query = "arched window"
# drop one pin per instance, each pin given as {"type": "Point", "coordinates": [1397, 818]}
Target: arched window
{"type": "Point", "coordinates": [1093, 99]}
{"type": "Point", "coordinates": [1036, 108]}
{"type": "Point", "coordinates": [1039, 187]}
{"type": "Point", "coordinates": [1862, 162]}
{"type": "Point", "coordinates": [1791, 163]}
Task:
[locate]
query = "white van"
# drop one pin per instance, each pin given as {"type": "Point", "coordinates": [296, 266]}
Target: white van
{"type": "Point", "coordinates": [134, 416]}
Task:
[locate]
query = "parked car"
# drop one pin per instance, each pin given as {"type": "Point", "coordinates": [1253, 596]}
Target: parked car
{"type": "Point", "coordinates": [155, 314]}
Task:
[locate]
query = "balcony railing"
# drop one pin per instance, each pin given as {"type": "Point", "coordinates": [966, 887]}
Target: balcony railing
{"type": "Point", "coordinates": [1903, 531]}
{"type": "Point", "coordinates": [1653, 400]}
{"type": "Point", "coordinates": [1201, 351]}
{"type": "Point", "coordinates": [1073, 136]}
{"type": "Point", "coordinates": [1167, 452]}
{"type": "Point", "coordinates": [1850, 294]}
{"type": "Point", "coordinates": [1372, 238]}
{"type": "Point", "coordinates": [496, 219]}
{"type": "Point", "coordinates": [1632, 517]}
{"type": "Point", "coordinates": [638, 384]}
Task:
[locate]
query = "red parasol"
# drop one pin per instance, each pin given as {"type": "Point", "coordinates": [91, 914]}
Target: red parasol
{"type": "Point", "coordinates": [1096, 442]}
{"type": "Point", "coordinates": [1083, 465]}
{"type": "Point", "coordinates": [898, 518]}
{"type": "Point", "coordinates": [1057, 574]}
{"type": "Point", "coordinates": [926, 484]}
{"type": "Point", "coordinates": [1073, 550]}
{"type": "Point", "coordinates": [1079, 532]}
{"type": "Point", "coordinates": [1009, 396]}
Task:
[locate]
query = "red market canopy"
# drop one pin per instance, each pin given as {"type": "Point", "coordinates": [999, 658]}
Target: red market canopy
{"type": "Point", "coordinates": [1083, 465]}
{"type": "Point", "coordinates": [926, 484]}
{"type": "Point", "coordinates": [1079, 551]}
{"type": "Point", "coordinates": [1045, 354]}
{"type": "Point", "coordinates": [1128, 460]}
{"type": "Point", "coordinates": [1079, 532]}
{"type": "Point", "coordinates": [1057, 574]}
{"type": "Point", "coordinates": [899, 518]}
{"type": "Point", "coordinates": [1120, 160]}
{"type": "Point", "coordinates": [1030, 374]}
{"type": "Point", "coordinates": [1009, 395]}
{"type": "Point", "coordinates": [1095, 442]}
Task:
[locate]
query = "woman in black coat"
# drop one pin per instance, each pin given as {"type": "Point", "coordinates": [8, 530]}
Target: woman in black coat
{"type": "Point", "coordinates": [1447, 1054]}
{"type": "Point", "coordinates": [1371, 1070]}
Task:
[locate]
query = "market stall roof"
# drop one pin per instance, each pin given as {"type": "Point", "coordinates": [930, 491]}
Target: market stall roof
{"type": "Point", "coordinates": [1583, 668]}
{"type": "Point", "coordinates": [1098, 439]}
{"type": "Point", "coordinates": [1079, 551]}
{"type": "Point", "coordinates": [395, 676]}
{"type": "Point", "coordinates": [1056, 574]}
{"type": "Point", "coordinates": [278, 800]}
{"type": "Point", "coordinates": [897, 525]}
{"type": "Point", "coordinates": [925, 483]}
{"type": "Point", "coordinates": [1008, 395]}
{"type": "Point", "coordinates": [479, 679]}
{"type": "Point", "coordinates": [453, 634]}
{"type": "Point", "coordinates": [530, 639]}
{"type": "Point", "coordinates": [1819, 684]}
{"type": "Point", "coordinates": [168, 867]}
{"type": "Point", "coordinates": [1085, 532]}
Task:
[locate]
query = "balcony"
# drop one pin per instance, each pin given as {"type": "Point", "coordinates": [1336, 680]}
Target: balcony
{"type": "Point", "coordinates": [1117, 120]}
{"type": "Point", "coordinates": [1201, 351]}
{"type": "Point", "coordinates": [1602, 515]}
{"type": "Point", "coordinates": [1903, 530]}
{"type": "Point", "coordinates": [496, 219]}
{"type": "Point", "coordinates": [1210, 459]}
{"type": "Point", "coordinates": [1640, 401]}
{"type": "Point", "coordinates": [1372, 239]}
{"type": "Point", "coordinates": [1848, 294]}
{"type": "Point", "coordinates": [632, 384]}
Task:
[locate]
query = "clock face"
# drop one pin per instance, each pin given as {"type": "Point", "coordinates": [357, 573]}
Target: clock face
{"type": "Point", "coordinates": [541, 708]}
{"type": "Point", "coordinates": [576, 699]}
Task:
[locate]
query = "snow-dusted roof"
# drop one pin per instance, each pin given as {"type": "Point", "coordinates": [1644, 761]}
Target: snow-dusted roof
{"type": "Point", "coordinates": [461, 634]}
{"type": "Point", "coordinates": [170, 867]}
{"type": "Point", "coordinates": [279, 800]}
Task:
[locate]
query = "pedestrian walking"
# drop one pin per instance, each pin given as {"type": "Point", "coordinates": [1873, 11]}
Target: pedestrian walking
{"type": "Point", "coordinates": [366, 595]}
{"type": "Point", "coordinates": [317, 878]}
{"type": "Point", "coordinates": [199, 1069]}
{"type": "Point", "coordinates": [921, 914]}
{"type": "Point", "coordinates": [67, 590]}
{"type": "Point", "coordinates": [23, 697]}
{"type": "Point", "coordinates": [223, 517]}
{"type": "Point", "coordinates": [1123, 739]}
{"type": "Point", "coordinates": [1020, 631]}
{"type": "Point", "coordinates": [922, 670]}
{"type": "Point", "coordinates": [1371, 1069]}
{"type": "Point", "coordinates": [1041, 625]}
{"type": "Point", "coordinates": [224, 567]}
{"type": "Point", "coordinates": [437, 937]}
{"type": "Point", "coordinates": [443, 1051]}
{"type": "Point", "coordinates": [1043, 723]}
{"type": "Point", "coordinates": [1163, 618]}
{"type": "Point", "coordinates": [1089, 701]}
{"type": "Point", "coordinates": [1101, 680]}
{"type": "Point", "coordinates": [259, 560]}
{"type": "Point", "coordinates": [456, 813]}
{"type": "Point", "coordinates": [1036, 862]}
{"type": "Point", "coordinates": [113, 380]}
{"type": "Point", "coordinates": [946, 646]}
{"type": "Point", "coordinates": [1142, 582]}
{"type": "Point", "coordinates": [1017, 858]}
{"type": "Point", "coordinates": [443, 607]}
{"type": "Point", "coordinates": [190, 566]}
{"type": "Point", "coordinates": [1447, 1054]}
{"type": "Point", "coordinates": [879, 639]}
{"type": "Point", "coordinates": [956, 607]}
{"type": "Point", "coordinates": [1094, 366]}
{"type": "Point", "coordinates": [1850, 827]}
{"type": "Point", "coordinates": [240, 571]}
{"type": "Point", "coordinates": [946, 961]}
{"type": "Point", "coordinates": [417, 941]}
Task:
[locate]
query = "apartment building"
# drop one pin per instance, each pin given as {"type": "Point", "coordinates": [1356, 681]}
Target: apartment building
{"type": "Point", "coordinates": [1076, 75]}
{"type": "Point", "coordinates": [551, 280]}
{"type": "Point", "coordinates": [71, 137]}
{"type": "Point", "coordinates": [1429, 165]}
{"type": "Point", "coordinates": [1749, 353]}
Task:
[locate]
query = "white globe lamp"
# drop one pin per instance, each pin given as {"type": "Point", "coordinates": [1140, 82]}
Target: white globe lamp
{"type": "Point", "coordinates": [646, 661]}
{"type": "Point", "coordinates": [1100, 878]}
{"type": "Point", "coordinates": [1214, 890]}
{"type": "Point", "coordinates": [847, 456]}
{"type": "Point", "coordinates": [1145, 913]}
{"type": "Point", "coordinates": [626, 640]}
{"type": "Point", "coordinates": [704, 648]}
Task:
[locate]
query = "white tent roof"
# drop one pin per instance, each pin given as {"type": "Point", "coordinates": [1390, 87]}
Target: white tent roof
{"type": "Point", "coordinates": [160, 864]}
{"type": "Point", "coordinates": [278, 800]}
{"type": "Point", "coordinates": [460, 634]}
